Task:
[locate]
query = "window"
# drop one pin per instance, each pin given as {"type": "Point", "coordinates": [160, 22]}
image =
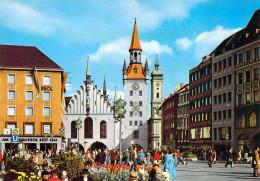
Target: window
{"type": "Point", "coordinates": [46, 111]}
{"type": "Point", "coordinates": [136, 134]}
{"type": "Point", "coordinates": [11, 125]}
{"type": "Point", "coordinates": [215, 115]}
{"type": "Point", "coordinates": [224, 114]}
{"type": "Point", "coordinates": [130, 123]}
{"type": "Point", "coordinates": [248, 98]}
{"type": "Point", "coordinates": [210, 102]}
{"type": "Point", "coordinates": [229, 79]}
{"type": "Point", "coordinates": [239, 99]}
{"type": "Point", "coordinates": [140, 114]}
{"type": "Point", "coordinates": [206, 132]}
{"type": "Point", "coordinates": [229, 96]}
{"type": "Point", "coordinates": [224, 64]}
{"type": "Point", "coordinates": [11, 111]}
{"type": "Point", "coordinates": [219, 66]}
{"type": "Point", "coordinates": [46, 96]}
{"type": "Point", "coordinates": [157, 95]}
{"type": "Point", "coordinates": [235, 59]}
{"type": "Point", "coordinates": [29, 95]}
{"type": "Point", "coordinates": [11, 95]}
{"type": "Point", "coordinates": [28, 79]}
{"type": "Point", "coordinates": [224, 97]}
{"type": "Point", "coordinates": [140, 93]}
{"type": "Point", "coordinates": [256, 52]}
{"type": "Point", "coordinates": [209, 85]}
{"type": "Point", "coordinates": [140, 123]}
{"type": "Point", "coordinates": [256, 96]}
{"type": "Point", "coordinates": [241, 58]}
{"type": "Point", "coordinates": [215, 100]}
{"type": "Point", "coordinates": [103, 129]}
{"type": "Point", "coordinates": [46, 80]}
{"type": "Point", "coordinates": [224, 80]}
{"type": "Point", "coordinates": [219, 82]}
{"type": "Point", "coordinates": [46, 128]}
{"type": "Point", "coordinates": [215, 83]}
{"type": "Point", "coordinates": [248, 76]}
{"type": "Point", "coordinates": [135, 123]}
{"type": "Point", "coordinates": [229, 114]}
{"type": "Point", "coordinates": [11, 79]}
{"type": "Point", "coordinates": [219, 99]}
{"type": "Point", "coordinates": [28, 128]}
{"type": "Point", "coordinates": [241, 121]}
{"type": "Point", "coordinates": [256, 74]}
{"type": "Point", "coordinates": [131, 103]}
{"type": "Point", "coordinates": [140, 103]}
{"type": "Point", "coordinates": [131, 93]}
{"type": "Point", "coordinates": [131, 113]}
{"type": "Point", "coordinates": [215, 67]}
{"type": "Point", "coordinates": [240, 78]}
{"type": "Point", "coordinates": [253, 120]}
{"type": "Point", "coordinates": [229, 62]}
{"type": "Point", "coordinates": [219, 115]}
{"type": "Point", "coordinates": [73, 129]}
{"type": "Point", "coordinates": [135, 70]}
{"type": "Point", "coordinates": [215, 134]}
{"type": "Point", "coordinates": [29, 111]}
{"type": "Point", "coordinates": [88, 128]}
{"type": "Point", "coordinates": [248, 55]}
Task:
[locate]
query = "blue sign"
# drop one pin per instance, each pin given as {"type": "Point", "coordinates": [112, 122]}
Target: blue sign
{"type": "Point", "coordinates": [15, 138]}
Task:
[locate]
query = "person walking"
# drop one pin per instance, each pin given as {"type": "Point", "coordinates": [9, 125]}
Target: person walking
{"type": "Point", "coordinates": [229, 158]}
{"type": "Point", "coordinates": [141, 156]}
{"type": "Point", "coordinates": [170, 165]}
{"type": "Point", "coordinates": [210, 156]}
{"type": "Point", "coordinates": [156, 156]}
{"type": "Point", "coordinates": [256, 162]}
{"type": "Point", "coordinates": [113, 156]}
{"type": "Point", "coordinates": [132, 158]}
{"type": "Point", "coordinates": [175, 158]}
{"type": "Point", "coordinates": [127, 155]}
{"type": "Point", "coordinates": [148, 157]}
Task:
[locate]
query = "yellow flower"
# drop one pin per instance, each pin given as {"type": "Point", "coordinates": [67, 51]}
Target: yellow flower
{"type": "Point", "coordinates": [19, 177]}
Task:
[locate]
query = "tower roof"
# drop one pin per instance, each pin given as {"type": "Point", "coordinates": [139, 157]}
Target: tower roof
{"type": "Point", "coordinates": [104, 85]}
{"type": "Point", "coordinates": [146, 68]}
{"type": "Point", "coordinates": [135, 71]}
{"type": "Point", "coordinates": [124, 66]}
{"type": "Point", "coordinates": [135, 43]}
{"type": "Point", "coordinates": [157, 72]}
{"type": "Point", "coordinates": [88, 67]}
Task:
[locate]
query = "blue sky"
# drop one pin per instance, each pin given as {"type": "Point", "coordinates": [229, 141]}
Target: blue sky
{"type": "Point", "coordinates": [179, 31]}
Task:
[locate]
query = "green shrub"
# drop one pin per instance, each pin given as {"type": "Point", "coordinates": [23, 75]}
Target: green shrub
{"type": "Point", "coordinates": [192, 155]}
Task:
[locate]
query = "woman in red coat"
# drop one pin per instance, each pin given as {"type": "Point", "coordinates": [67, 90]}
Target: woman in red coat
{"type": "Point", "coordinates": [156, 156]}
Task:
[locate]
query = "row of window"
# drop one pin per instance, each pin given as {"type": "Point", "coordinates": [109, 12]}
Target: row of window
{"type": "Point", "coordinates": [201, 73]}
{"type": "Point", "coordinates": [183, 98]}
{"type": "Point", "coordinates": [132, 93]}
{"type": "Point", "coordinates": [135, 123]}
{"type": "Point", "coordinates": [140, 113]}
{"type": "Point", "coordinates": [29, 111]}
{"type": "Point", "coordinates": [201, 88]}
{"type": "Point", "coordinates": [225, 79]}
{"type": "Point", "coordinates": [201, 117]}
{"type": "Point", "coordinates": [249, 121]}
{"type": "Point", "coordinates": [248, 77]}
{"type": "Point", "coordinates": [226, 97]}
{"type": "Point", "coordinates": [223, 133]}
{"type": "Point", "coordinates": [29, 128]}
{"type": "Point", "coordinates": [11, 79]}
{"type": "Point", "coordinates": [132, 103]}
{"type": "Point", "coordinates": [222, 65]}
{"type": "Point", "coordinates": [248, 99]}
{"type": "Point", "coordinates": [202, 132]}
{"type": "Point", "coordinates": [28, 95]}
{"type": "Point", "coordinates": [226, 114]}
{"type": "Point", "coordinates": [200, 103]}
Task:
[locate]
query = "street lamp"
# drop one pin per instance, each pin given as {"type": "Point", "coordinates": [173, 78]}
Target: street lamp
{"type": "Point", "coordinates": [52, 135]}
{"type": "Point", "coordinates": [61, 135]}
{"type": "Point", "coordinates": [78, 126]}
{"type": "Point", "coordinates": [120, 111]}
{"type": "Point", "coordinates": [45, 138]}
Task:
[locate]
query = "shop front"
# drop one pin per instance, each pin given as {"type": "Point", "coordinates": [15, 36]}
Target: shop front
{"type": "Point", "coordinates": [26, 143]}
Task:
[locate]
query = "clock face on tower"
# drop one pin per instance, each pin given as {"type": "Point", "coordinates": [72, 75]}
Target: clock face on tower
{"type": "Point", "coordinates": [135, 86]}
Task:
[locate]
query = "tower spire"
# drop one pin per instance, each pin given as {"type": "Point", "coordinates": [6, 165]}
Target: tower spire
{"type": "Point", "coordinates": [124, 66]}
{"type": "Point", "coordinates": [135, 43]}
{"type": "Point", "coordinates": [88, 75]}
{"type": "Point", "coordinates": [146, 68]}
{"type": "Point", "coordinates": [104, 87]}
{"type": "Point", "coordinates": [115, 97]}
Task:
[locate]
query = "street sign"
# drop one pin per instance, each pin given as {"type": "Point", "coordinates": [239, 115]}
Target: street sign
{"type": "Point", "coordinates": [7, 131]}
{"type": "Point", "coordinates": [15, 131]}
{"type": "Point", "coordinates": [15, 138]}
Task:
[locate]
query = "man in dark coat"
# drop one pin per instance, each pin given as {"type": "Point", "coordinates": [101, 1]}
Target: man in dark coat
{"type": "Point", "coordinates": [100, 158]}
{"type": "Point", "coordinates": [229, 158]}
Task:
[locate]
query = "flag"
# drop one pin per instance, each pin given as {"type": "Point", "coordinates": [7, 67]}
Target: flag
{"type": "Point", "coordinates": [38, 95]}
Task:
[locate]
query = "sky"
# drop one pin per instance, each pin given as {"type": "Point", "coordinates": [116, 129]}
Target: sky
{"type": "Point", "coordinates": [181, 32]}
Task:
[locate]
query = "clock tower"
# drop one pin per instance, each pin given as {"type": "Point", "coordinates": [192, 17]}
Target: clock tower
{"type": "Point", "coordinates": [154, 133]}
{"type": "Point", "coordinates": [135, 82]}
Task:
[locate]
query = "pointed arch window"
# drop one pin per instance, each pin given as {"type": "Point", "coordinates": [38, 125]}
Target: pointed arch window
{"type": "Point", "coordinates": [135, 56]}
{"type": "Point", "coordinates": [253, 120]}
{"type": "Point", "coordinates": [242, 122]}
{"type": "Point", "coordinates": [157, 95]}
{"type": "Point", "coordinates": [103, 129]}
{"type": "Point", "coordinates": [88, 128]}
{"type": "Point", "coordinates": [73, 131]}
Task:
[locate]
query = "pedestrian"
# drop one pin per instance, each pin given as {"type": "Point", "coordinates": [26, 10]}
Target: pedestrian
{"type": "Point", "coordinates": [141, 156]}
{"type": "Point", "coordinates": [148, 157]}
{"type": "Point", "coordinates": [210, 156]}
{"type": "Point", "coordinates": [175, 157]}
{"type": "Point", "coordinates": [132, 158]}
{"type": "Point", "coordinates": [1, 160]}
{"type": "Point", "coordinates": [113, 156]}
{"type": "Point", "coordinates": [229, 158]}
{"type": "Point", "coordinates": [256, 162]}
{"type": "Point", "coordinates": [45, 175]}
{"type": "Point", "coordinates": [239, 156]}
{"type": "Point", "coordinates": [156, 156]}
{"type": "Point", "coordinates": [101, 157]}
{"type": "Point", "coordinates": [250, 156]}
{"type": "Point", "coordinates": [214, 157]}
{"type": "Point", "coordinates": [63, 176]}
{"type": "Point", "coordinates": [54, 176]}
{"type": "Point", "coordinates": [170, 165]}
{"type": "Point", "coordinates": [108, 161]}
{"type": "Point", "coordinates": [178, 157]}
{"type": "Point", "coordinates": [45, 165]}
{"type": "Point", "coordinates": [127, 155]}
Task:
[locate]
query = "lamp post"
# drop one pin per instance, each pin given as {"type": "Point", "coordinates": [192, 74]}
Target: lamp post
{"type": "Point", "coordinates": [61, 135]}
{"type": "Point", "coordinates": [52, 135]}
{"type": "Point", "coordinates": [78, 126]}
{"type": "Point", "coordinates": [45, 138]}
{"type": "Point", "coordinates": [120, 111]}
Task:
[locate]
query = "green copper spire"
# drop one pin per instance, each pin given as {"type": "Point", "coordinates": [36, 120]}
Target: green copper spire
{"type": "Point", "coordinates": [104, 85]}
{"type": "Point", "coordinates": [88, 67]}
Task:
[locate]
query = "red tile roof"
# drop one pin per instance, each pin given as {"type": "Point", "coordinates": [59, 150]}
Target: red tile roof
{"type": "Point", "coordinates": [25, 57]}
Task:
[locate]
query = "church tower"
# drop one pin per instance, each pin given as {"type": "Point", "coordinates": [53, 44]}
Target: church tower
{"type": "Point", "coordinates": [135, 82]}
{"type": "Point", "coordinates": [156, 98]}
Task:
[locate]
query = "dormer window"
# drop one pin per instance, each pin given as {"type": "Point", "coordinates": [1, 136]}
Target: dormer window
{"type": "Point", "coordinates": [135, 70]}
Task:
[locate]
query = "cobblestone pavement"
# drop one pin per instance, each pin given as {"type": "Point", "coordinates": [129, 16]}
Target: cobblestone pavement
{"type": "Point", "coordinates": [200, 171]}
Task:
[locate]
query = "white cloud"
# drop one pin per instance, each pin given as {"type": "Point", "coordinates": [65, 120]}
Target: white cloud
{"type": "Point", "coordinates": [183, 43]}
{"type": "Point", "coordinates": [119, 94]}
{"type": "Point", "coordinates": [207, 41]}
{"type": "Point", "coordinates": [117, 49]}
{"type": "Point", "coordinates": [20, 17]}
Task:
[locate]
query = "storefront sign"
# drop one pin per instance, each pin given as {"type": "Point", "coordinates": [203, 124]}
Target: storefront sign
{"type": "Point", "coordinates": [28, 139]}
{"type": "Point", "coordinates": [15, 138]}
{"type": "Point", "coordinates": [15, 131]}
{"type": "Point", "coordinates": [7, 131]}
{"type": "Point", "coordinates": [46, 88]}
